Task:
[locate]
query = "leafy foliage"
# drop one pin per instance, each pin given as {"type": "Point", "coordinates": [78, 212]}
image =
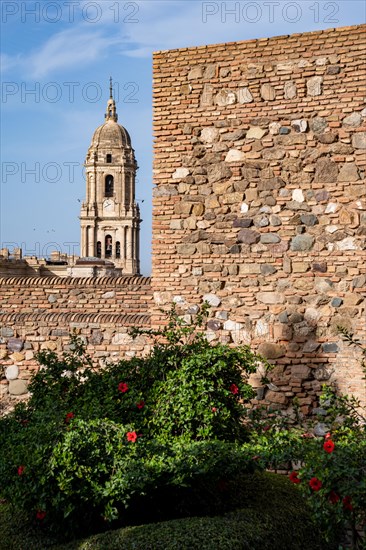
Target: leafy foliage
{"type": "Point", "coordinates": [257, 512]}
{"type": "Point", "coordinates": [89, 443]}
{"type": "Point", "coordinates": [329, 470]}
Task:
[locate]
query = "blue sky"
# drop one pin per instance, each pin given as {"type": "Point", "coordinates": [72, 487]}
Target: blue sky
{"type": "Point", "coordinates": [56, 60]}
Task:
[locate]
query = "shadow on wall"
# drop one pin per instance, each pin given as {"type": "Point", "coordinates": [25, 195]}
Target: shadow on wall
{"type": "Point", "coordinates": [304, 360]}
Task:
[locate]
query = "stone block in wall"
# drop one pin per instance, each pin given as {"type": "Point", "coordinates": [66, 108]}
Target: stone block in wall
{"type": "Point", "coordinates": [6, 332]}
{"type": "Point", "coordinates": [274, 153]}
{"type": "Point", "coordinates": [248, 236]}
{"type": "Point", "coordinates": [271, 351]}
{"type": "Point", "coordinates": [209, 135]}
{"type": "Point", "coordinates": [300, 371]}
{"type": "Point", "coordinates": [244, 95]}
{"type": "Point", "coordinates": [181, 173]}
{"type": "Point", "coordinates": [330, 347]}
{"type": "Point", "coordinates": [225, 97]}
{"type": "Point", "coordinates": [18, 387]}
{"type": "Point", "coordinates": [270, 184]}
{"type": "Point", "coordinates": [249, 269]}
{"type": "Point", "coordinates": [18, 357]}
{"type": "Point", "coordinates": [282, 332]}
{"type": "Point", "coordinates": [318, 124]}
{"type": "Point", "coordinates": [195, 73]}
{"type": "Point", "coordinates": [290, 89]}
{"type": "Point", "coordinates": [326, 171]}
{"type": "Point", "coordinates": [302, 243]}
{"type": "Point", "coordinates": [12, 372]}
{"type": "Point", "coordinates": [270, 297]}
{"type": "Point", "coordinates": [270, 238]}
{"type": "Point", "coordinates": [322, 373]}
{"type": "Point", "coordinates": [255, 132]}
{"type": "Point", "coordinates": [327, 138]}
{"type": "Point", "coordinates": [268, 92]}
{"type": "Point", "coordinates": [217, 172]}
{"type": "Point", "coordinates": [207, 96]}
{"type": "Point", "coordinates": [234, 155]}
{"type": "Point", "coordinates": [212, 300]}
{"type": "Point", "coordinates": [353, 120]}
{"type": "Point", "coordinates": [359, 140]}
{"type": "Point", "coordinates": [276, 397]}
{"type": "Point", "coordinates": [15, 344]}
{"type": "Point", "coordinates": [186, 249]}
{"type": "Point", "coordinates": [314, 85]}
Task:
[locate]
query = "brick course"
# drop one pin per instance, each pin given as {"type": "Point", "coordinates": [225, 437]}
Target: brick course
{"type": "Point", "coordinates": [40, 313]}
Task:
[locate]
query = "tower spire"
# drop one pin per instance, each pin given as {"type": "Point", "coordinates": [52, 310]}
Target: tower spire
{"type": "Point", "coordinates": [111, 113]}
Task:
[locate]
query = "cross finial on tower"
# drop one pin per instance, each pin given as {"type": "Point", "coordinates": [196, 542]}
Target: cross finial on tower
{"type": "Point", "coordinates": [110, 88]}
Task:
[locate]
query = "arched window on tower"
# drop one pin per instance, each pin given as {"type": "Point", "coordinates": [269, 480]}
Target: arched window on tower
{"type": "Point", "coordinates": [99, 249]}
{"type": "Point", "coordinates": [118, 249]}
{"type": "Point", "coordinates": [109, 186]}
{"type": "Point", "coordinates": [109, 158]}
{"type": "Point", "coordinates": [108, 246]}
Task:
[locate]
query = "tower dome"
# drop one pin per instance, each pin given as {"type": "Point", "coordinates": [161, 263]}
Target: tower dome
{"type": "Point", "coordinates": [110, 217]}
{"type": "Point", "coordinates": [111, 133]}
{"type": "Point", "coordinates": [111, 136]}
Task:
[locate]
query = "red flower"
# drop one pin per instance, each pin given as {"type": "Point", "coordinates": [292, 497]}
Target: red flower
{"type": "Point", "coordinates": [327, 436]}
{"type": "Point", "coordinates": [315, 484]}
{"type": "Point", "coordinates": [234, 389]}
{"type": "Point", "coordinates": [347, 503]}
{"type": "Point", "coordinates": [140, 405]}
{"type": "Point", "coordinates": [333, 497]}
{"type": "Point", "coordinates": [69, 416]}
{"type": "Point", "coordinates": [21, 470]}
{"type": "Point", "coordinates": [131, 436]}
{"type": "Point", "coordinates": [328, 446]}
{"type": "Point", "coordinates": [214, 409]}
{"type": "Point", "coordinates": [41, 514]}
{"type": "Point", "coordinates": [294, 477]}
{"type": "Point", "coordinates": [123, 387]}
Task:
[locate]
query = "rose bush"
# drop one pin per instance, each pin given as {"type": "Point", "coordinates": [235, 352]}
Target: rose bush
{"type": "Point", "coordinates": [330, 470]}
{"type": "Point", "coordinates": [88, 442]}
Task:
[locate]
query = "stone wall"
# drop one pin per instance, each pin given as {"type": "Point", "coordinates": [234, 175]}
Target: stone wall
{"type": "Point", "coordinates": [260, 200]}
{"type": "Point", "coordinates": [40, 313]}
{"type": "Point", "coordinates": [259, 208]}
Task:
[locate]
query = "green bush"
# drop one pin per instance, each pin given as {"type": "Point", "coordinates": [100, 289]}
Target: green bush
{"type": "Point", "coordinates": [330, 469]}
{"type": "Point", "coordinates": [267, 513]}
{"type": "Point", "coordinates": [90, 442]}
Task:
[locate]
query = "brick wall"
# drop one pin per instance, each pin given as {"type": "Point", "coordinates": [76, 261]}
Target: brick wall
{"type": "Point", "coordinates": [39, 313]}
{"type": "Point", "coordinates": [260, 200]}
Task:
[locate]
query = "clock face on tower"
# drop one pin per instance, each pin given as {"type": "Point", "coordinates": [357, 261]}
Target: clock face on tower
{"type": "Point", "coordinates": [108, 205]}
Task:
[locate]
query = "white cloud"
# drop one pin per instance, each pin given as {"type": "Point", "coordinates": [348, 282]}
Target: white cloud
{"type": "Point", "coordinates": [64, 51]}
{"type": "Point", "coordinates": [69, 49]}
{"type": "Point", "coordinates": [8, 62]}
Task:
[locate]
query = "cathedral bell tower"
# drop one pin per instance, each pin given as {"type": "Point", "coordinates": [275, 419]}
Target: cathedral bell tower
{"type": "Point", "coordinates": [110, 218]}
